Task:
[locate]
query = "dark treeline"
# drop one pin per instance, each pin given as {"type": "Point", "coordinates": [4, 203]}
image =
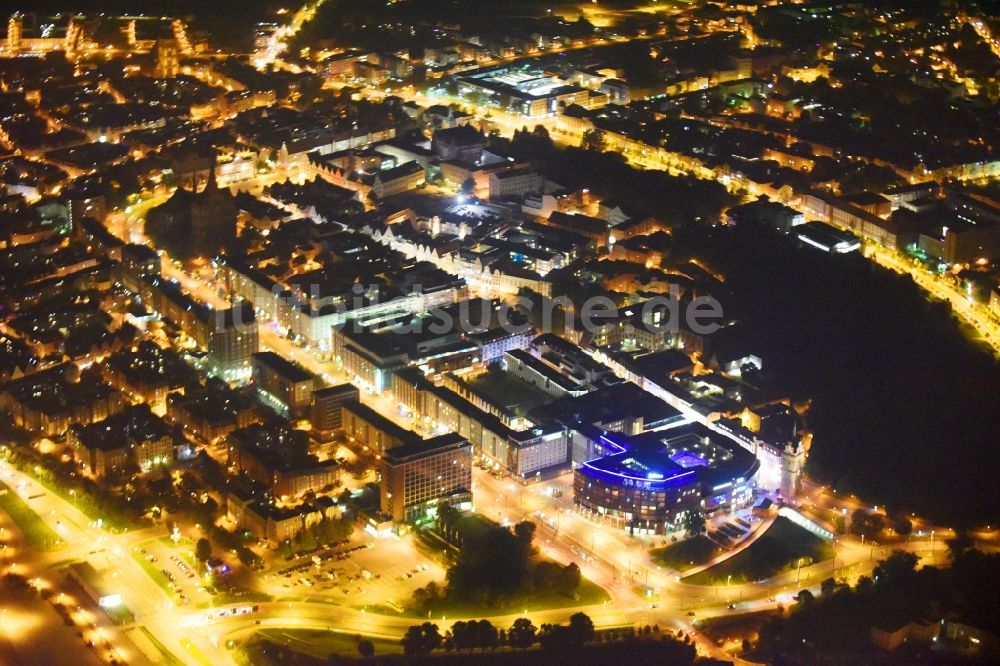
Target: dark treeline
{"type": "Point", "coordinates": [835, 626]}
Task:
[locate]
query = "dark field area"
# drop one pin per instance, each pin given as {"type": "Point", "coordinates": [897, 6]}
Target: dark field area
{"type": "Point", "coordinates": [778, 549]}
{"type": "Point", "coordinates": [686, 554]}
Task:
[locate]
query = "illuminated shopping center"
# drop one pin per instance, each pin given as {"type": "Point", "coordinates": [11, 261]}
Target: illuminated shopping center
{"type": "Point", "coordinates": [528, 92]}
{"type": "Point", "coordinates": [648, 482]}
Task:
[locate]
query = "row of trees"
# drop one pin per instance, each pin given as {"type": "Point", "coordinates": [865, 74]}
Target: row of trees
{"type": "Point", "coordinates": [119, 510]}
{"type": "Point", "coordinates": [869, 524]}
{"type": "Point", "coordinates": [482, 635]}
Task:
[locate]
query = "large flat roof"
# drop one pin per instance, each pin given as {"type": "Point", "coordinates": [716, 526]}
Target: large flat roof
{"type": "Point", "coordinates": [380, 422]}
{"type": "Point", "coordinates": [399, 455]}
{"type": "Point", "coordinates": [678, 456]}
{"type": "Point", "coordinates": [293, 372]}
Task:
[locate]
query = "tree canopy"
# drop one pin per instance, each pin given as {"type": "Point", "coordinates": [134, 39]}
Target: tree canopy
{"type": "Point", "coordinates": [837, 623]}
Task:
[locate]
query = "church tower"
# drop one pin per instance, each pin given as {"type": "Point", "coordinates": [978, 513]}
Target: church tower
{"type": "Point", "coordinates": [793, 461]}
{"type": "Point", "coordinates": [15, 26]}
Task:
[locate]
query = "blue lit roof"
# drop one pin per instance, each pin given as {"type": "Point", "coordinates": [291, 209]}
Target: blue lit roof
{"type": "Point", "coordinates": [680, 456]}
{"type": "Point", "coordinates": [630, 468]}
{"type": "Point", "coordinates": [686, 459]}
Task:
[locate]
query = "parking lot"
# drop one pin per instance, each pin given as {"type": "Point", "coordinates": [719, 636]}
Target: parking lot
{"type": "Point", "coordinates": [385, 572]}
{"type": "Point", "coordinates": [179, 568]}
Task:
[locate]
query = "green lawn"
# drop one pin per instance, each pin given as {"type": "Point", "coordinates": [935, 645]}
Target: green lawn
{"type": "Point", "coordinates": [37, 534]}
{"type": "Point", "coordinates": [686, 554]}
{"type": "Point", "coordinates": [120, 614]}
{"type": "Point", "coordinates": [321, 644]}
{"type": "Point", "coordinates": [81, 500]}
{"type": "Point", "coordinates": [779, 549]}
{"type": "Point", "coordinates": [195, 653]}
{"type": "Point", "coordinates": [822, 515]}
{"type": "Point", "coordinates": [156, 575]}
{"type": "Point", "coordinates": [168, 657]}
{"type": "Point", "coordinates": [225, 598]}
{"type": "Point", "coordinates": [189, 558]}
{"type": "Point", "coordinates": [184, 541]}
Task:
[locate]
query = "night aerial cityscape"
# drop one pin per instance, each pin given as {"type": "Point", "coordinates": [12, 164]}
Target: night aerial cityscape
{"type": "Point", "coordinates": [499, 331]}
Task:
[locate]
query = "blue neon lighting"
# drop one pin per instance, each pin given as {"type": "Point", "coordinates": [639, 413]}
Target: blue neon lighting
{"type": "Point", "coordinates": [617, 477]}
{"type": "Point", "coordinates": [621, 448]}
{"type": "Point", "coordinates": [687, 459]}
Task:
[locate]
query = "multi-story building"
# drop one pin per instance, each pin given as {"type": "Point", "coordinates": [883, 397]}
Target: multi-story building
{"type": "Point", "coordinates": [438, 405]}
{"type": "Point", "coordinates": [969, 231]}
{"type": "Point", "coordinates": [901, 195]}
{"type": "Point", "coordinates": [316, 320]}
{"type": "Point", "coordinates": [232, 342]}
{"type": "Point", "coordinates": [371, 429]}
{"type": "Point", "coordinates": [229, 335]}
{"type": "Point", "coordinates": [273, 523]}
{"type": "Point", "coordinates": [842, 213]}
{"type": "Point", "coordinates": [515, 182]}
{"type": "Point", "coordinates": [539, 452]}
{"type": "Point", "coordinates": [463, 143]}
{"type": "Point", "coordinates": [147, 372]}
{"type": "Point", "coordinates": [494, 342]}
{"type": "Point", "coordinates": [369, 357]}
{"type": "Point", "coordinates": [618, 91]}
{"type": "Point", "coordinates": [327, 407]}
{"type": "Point", "coordinates": [133, 437]}
{"type": "Point", "coordinates": [418, 476]}
{"type": "Point", "coordinates": [647, 483]}
{"type": "Point", "coordinates": [397, 180]}
{"type": "Point", "coordinates": [263, 35]}
{"type": "Point", "coordinates": [277, 457]}
{"type": "Point", "coordinates": [211, 412]}
{"type": "Point", "coordinates": [541, 375]}
{"type": "Point", "coordinates": [138, 262]}
{"type": "Point", "coordinates": [527, 92]}
{"type": "Point", "coordinates": [48, 402]}
{"type": "Point", "coordinates": [342, 64]}
{"type": "Point", "coordinates": [283, 385]}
